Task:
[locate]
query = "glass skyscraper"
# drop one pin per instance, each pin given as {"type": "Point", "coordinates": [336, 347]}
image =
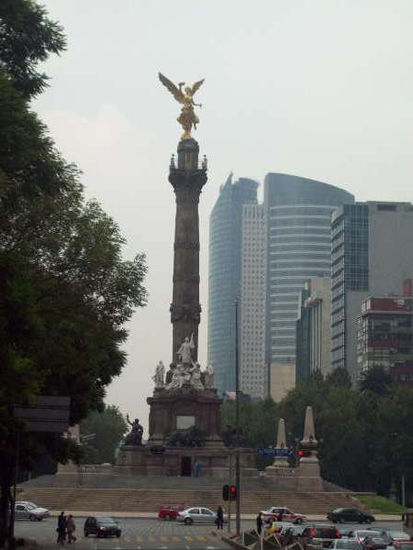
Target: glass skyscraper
{"type": "Point", "coordinates": [225, 276]}
{"type": "Point", "coordinates": [298, 223]}
{"type": "Point", "coordinates": [372, 254]}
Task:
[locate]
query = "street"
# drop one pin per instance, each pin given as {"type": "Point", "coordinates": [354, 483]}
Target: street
{"type": "Point", "coordinates": [136, 534]}
{"type": "Point", "coordinates": [146, 534]}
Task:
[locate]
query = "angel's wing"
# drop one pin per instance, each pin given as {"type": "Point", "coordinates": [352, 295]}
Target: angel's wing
{"type": "Point", "coordinates": [178, 95]}
{"type": "Point", "coordinates": [197, 85]}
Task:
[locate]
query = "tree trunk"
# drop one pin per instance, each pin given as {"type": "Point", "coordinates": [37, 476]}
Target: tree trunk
{"type": "Point", "coordinates": [5, 499]}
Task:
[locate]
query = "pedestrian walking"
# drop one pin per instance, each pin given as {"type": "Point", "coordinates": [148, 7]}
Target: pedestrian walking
{"type": "Point", "coordinates": [71, 528]}
{"type": "Point", "coordinates": [259, 523]}
{"type": "Point", "coordinates": [220, 518]}
{"type": "Point", "coordinates": [61, 528]}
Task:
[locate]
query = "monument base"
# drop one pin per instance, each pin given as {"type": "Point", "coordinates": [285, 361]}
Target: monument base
{"type": "Point", "coordinates": [211, 460]}
{"type": "Point", "coordinates": [184, 439]}
{"type": "Point", "coordinates": [181, 409]}
{"type": "Point", "coordinates": [309, 478]}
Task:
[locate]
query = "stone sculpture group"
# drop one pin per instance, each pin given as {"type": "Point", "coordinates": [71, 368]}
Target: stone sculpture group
{"type": "Point", "coordinates": [186, 373]}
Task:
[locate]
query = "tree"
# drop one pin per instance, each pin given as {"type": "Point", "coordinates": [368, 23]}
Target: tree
{"type": "Point", "coordinates": [108, 428]}
{"type": "Point", "coordinates": [339, 378]}
{"type": "Point", "coordinates": [65, 290]}
{"type": "Point", "coordinates": [376, 380]}
{"type": "Point", "coordinates": [27, 36]}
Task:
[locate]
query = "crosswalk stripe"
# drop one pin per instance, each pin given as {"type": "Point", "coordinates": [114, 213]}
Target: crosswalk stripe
{"type": "Point", "coordinates": [176, 539]}
{"type": "Point", "coordinates": [200, 538]}
{"type": "Point", "coordinates": [164, 539]}
{"type": "Point", "coordinates": [189, 539]}
{"type": "Point", "coordinates": [151, 539]}
{"type": "Point", "coordinates": [139, 539]}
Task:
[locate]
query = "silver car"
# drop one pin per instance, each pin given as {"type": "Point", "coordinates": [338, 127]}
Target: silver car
{"type": "Point", "coordinates": [196, 514]}
{"type": "Point", "coordinates": [347, 544]}
{"type": "Point", "coordinates": [29, 510]}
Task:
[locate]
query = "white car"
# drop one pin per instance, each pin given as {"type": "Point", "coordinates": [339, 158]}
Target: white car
{"type": "Point", "coordinates": [283, 514]}
{"type": "Point", "coordinates": [399, 536]}
{"type": "Point", "coordinates": [361, 534]}
{"type": "Point", "coordinates": [196, 514]}
{"type": "Point", "coordinates": [346, 544]}
{"type": "Point", "coordinates": [29, 510]}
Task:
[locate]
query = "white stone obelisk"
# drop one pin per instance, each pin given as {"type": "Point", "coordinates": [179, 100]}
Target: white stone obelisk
{"type": "Point", "coordinates": [309, 478]}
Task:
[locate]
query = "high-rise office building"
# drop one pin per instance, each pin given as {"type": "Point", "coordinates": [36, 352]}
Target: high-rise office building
{"type": "Point", "coordinates": [253, 374]}
{"type": "Point", "coordinates": [385, 333]}
{"type": "Point", "coordinates": [372, 251]}
{"type": "Point", "coordinates": [314, 329]}
{"type": "Point", "coordinates": [224, 279]}
{"type": "Point", "coordinates": [298, 224]}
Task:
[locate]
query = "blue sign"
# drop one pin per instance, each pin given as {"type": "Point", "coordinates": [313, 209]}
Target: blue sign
{"type": "Point", "coordinates": [275, 452]}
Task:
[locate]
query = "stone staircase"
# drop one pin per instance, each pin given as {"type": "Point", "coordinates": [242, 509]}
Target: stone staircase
{"type": "Point", "coordinates": [148, 500]}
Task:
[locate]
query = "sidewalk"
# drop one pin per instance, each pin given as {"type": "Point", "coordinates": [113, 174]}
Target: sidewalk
{"type": "Point", "coordinates": [154, 515]}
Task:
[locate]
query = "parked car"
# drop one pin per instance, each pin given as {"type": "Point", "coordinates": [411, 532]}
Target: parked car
{"type": "Point", "coordinates": [399, 536]}
{"type": "Point", "coordinates": [361, 534]}
{"type": "Point", "coordinates": [169, 511]}
{"type": "Point", "coordinates": [346, 544]}
{"type": "Point", "coordinates": [324, 535]}
{"type": "Point", "coordinates": [375, 543]}
{"type": "Point", "coordinates": [354, 515]}
{"type": "Point", "coordinates": [403, 545]}
{"type": "Point", "coordinates": [30, 510]}
{"type": "Point", "coordinates": [196, 514]}
{"type": "Point", "coordinates": [102, 527]}
{"type": "Point", "coordinates": [294, 530]}
{"type": "Point", "coordinates": [283, 514]}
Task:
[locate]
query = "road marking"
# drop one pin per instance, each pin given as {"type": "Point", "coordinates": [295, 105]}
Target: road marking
{"type": "Point", "coordinates": [163, 538]}
{"type": "Point", "coordinates": [139, 539]}
{"type": "Point", "coordinates": [152, 539]}
{"type": "Point", "coordinates": [189, 539]}
{"type": "Point", "coordinates": [176, 539]}
{"type": "Point", "coordinates": [200, 538]}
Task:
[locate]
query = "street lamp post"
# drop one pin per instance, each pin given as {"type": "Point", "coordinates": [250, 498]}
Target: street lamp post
{"type": "Point", "coordinates": [237, 422]}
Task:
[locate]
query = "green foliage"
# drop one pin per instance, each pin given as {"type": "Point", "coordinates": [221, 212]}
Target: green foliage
{"type": "Point", "coordinates": [258, 420]}
{"type": "Point", "coordinates": [377, 381]}
{"type": "Point", "coordinates": [109, 427]}
{"type": "Point", "coordinates": [27, 37]}
{"type": "Point", "coordinates": [365, 437]}
{"type": "Point", "coordinates": [65, 290]}
{"type": "Point", "coordinates": [339, 378]}
{"type": "Point", "coordinates": [381, 505]}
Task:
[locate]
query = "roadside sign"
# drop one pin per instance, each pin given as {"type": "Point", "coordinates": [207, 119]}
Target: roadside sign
{"type": "Point", "coordinates": [47, 414]}
{"type": "Point", "coordinates": [275, 452]}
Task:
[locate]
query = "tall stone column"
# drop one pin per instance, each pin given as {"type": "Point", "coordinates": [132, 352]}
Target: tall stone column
{"type": "Point", "coordinates": [187, 179]}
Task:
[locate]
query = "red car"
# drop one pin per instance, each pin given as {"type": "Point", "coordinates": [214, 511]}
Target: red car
{"type": "Point", "coordinates": [282, 514]}
{"type": "Point", "coordinates": [169, 511]}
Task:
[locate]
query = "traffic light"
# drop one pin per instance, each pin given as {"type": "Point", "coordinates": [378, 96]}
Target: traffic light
{"type": "Point", "coordinates": [303, 453]}
{"type": "Point", "coordinates": [229, 492]}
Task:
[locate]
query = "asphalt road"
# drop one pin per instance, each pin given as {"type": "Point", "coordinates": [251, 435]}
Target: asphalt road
{"type": "Point", "coordinates": [140, 534]}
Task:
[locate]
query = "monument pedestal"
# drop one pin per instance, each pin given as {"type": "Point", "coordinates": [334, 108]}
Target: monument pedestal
{"type": "Point", "coordinates": [309, 478]}
{"type": "Point", "coordinates": [182, 461]}
{"type": "Point", "coordinates": [181, 409]}
{"type": "Point", "coordinates": [175, 412]}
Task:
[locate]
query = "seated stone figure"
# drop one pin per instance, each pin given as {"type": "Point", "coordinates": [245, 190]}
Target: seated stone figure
{"type": "Point", "coordinates": [134, 437]}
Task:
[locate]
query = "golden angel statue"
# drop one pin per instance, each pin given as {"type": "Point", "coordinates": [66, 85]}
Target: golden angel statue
{"type": "Point", "coordinates": [187, 118]}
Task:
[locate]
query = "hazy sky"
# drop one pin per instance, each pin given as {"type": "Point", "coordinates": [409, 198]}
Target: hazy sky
{"type": "Point", "coordinates": [316, 88]}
